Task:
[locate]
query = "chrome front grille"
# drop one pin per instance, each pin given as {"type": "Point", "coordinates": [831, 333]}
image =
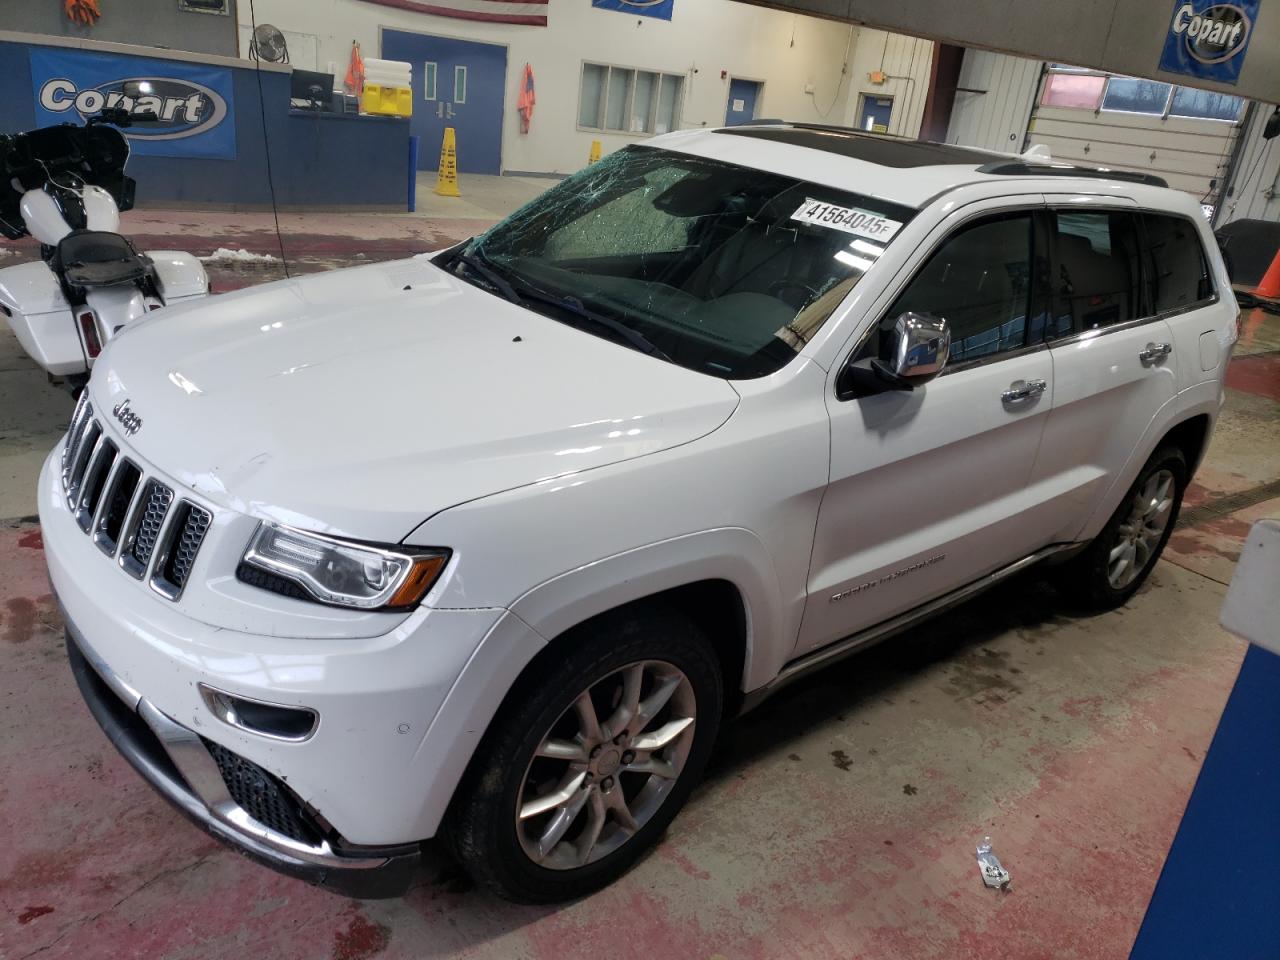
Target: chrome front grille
{"type": "Point", "coordinates": [134, 519]}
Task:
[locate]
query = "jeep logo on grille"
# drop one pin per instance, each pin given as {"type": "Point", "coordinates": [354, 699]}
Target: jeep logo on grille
{"type": "Point", "coordinates": [1215, 35]}
{"type": "Point", "coordinates": [130, 422]}
{"type": "Point", "coordinates": [182, 108]}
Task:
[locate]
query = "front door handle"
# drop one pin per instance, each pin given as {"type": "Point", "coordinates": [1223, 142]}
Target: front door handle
{"type": "Point", "coordinates": [1153, 353]}
{"type": "Point", "coordinates": [1022, 390]}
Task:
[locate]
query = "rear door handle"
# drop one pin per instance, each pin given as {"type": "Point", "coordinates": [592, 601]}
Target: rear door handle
{"type": "Point", "coordinates": [1154, 353]}
{"type": "Point", "coordinates": [1022, 390]}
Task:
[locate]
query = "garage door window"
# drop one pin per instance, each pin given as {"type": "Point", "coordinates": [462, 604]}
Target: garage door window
{"type": "Point", "coordinates": [1129, 95]}
{"type": "Point", "coordinates": [1205, 104]}
{"type": "Point", "coordinates": [1178, 274]}
{"type": "Point", "coordinates": [1098, 270]}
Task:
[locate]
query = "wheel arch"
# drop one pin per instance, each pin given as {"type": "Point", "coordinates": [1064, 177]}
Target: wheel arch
{"type": "Point", "coordinates": [723, 579]}
{"type": "Point", "coordinates": [1191, 436]}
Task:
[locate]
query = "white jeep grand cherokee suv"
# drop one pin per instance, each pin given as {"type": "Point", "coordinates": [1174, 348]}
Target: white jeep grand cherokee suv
{"type": "Point", "coordinates": [488, 544]}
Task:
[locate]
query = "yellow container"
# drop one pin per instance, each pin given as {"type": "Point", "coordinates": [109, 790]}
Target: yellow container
{"type": "Point", "coordinates": [388, 101]}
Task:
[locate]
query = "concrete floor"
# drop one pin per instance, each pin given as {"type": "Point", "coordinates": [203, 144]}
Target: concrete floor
{"type": "Point", "coordinates": [838, 821]}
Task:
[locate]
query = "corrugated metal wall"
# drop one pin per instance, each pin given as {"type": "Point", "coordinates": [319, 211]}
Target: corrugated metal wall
{"type": "Point", "coordinates": [996, 119]}
{"type": "Point", "coordinates": [907, 62]}
{"type": "Point", "coordinates": [1257, 179]}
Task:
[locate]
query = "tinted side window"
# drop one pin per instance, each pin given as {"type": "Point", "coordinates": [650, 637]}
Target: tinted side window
{"type": "Point", "coordinates": [1177, 271]}
{"type": "Point", "coordinates": [1098, 276]}
{"type": "Point", "coordinates": [979, 280]}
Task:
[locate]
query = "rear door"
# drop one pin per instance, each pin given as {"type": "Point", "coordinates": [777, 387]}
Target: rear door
{"type": "Point", "coordinates": [1113, 357]}
{"type": "Point", "coordinates": [928, 487]}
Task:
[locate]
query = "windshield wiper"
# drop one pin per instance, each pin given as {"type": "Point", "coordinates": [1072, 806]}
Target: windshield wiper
{"type": "Point", "coordinates": [480, 264]}
{"type": "Point", "coordinates": [522, 290]}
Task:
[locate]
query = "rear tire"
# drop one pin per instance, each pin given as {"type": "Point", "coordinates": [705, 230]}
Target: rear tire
{"type": "Point", "coordinates": [564, 793]}
{"type": "Point", "coordinates": [1119, 560]}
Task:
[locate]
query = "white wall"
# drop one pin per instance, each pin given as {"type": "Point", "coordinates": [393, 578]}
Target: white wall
{"type": "Point", "coordinates": [995, 119]}
{"type": "Point", "coordinates": [787, 51]}
{"type": "Point", "coordinates": [906, 61]}
{"type": "Point", "coordinates": [1254, 189]}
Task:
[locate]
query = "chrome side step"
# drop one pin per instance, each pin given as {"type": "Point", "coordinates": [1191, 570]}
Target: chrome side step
{"type": "Point", "coordinates": [824, 656]}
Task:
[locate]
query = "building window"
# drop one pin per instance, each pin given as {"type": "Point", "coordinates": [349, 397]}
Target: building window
{"type": "Point", "coordinates": [459, 84]}
{"type": "Point", "coordinates": [626, 100]}
{"type": "Point", "coordinates": [429, 81]}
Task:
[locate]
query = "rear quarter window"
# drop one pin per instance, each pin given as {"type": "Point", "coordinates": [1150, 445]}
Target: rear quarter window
{"type": "Point", "coordinates": [1178, 271]}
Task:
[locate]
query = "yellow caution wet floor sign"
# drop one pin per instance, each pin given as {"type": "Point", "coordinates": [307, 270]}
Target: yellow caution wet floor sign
{"type": "Point", "coordinates": [447, 178]}
{"type": "Point", "coordinates": [595, 152]}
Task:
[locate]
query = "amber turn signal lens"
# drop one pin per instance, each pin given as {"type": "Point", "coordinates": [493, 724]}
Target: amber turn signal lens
{"type": "Point", "coordinates": [419, 581]}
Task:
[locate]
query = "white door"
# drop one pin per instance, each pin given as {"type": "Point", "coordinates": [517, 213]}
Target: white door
{"type": "Point", "coordinates": [928, 487]}
{"type": "Point", "coordinates": [1113, 362]}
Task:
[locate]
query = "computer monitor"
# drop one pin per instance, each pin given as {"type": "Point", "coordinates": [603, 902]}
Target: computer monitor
{"type": "Point", "coordinates": [313, 87]}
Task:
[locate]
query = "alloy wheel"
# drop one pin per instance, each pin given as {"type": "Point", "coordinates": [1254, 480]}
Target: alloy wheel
{"type": "Point", "coordinates": [1139, 534]}
{"type": "Point", "coordinates": [593, 783]}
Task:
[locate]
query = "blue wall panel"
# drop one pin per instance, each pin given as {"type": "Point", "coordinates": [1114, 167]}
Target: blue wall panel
{"type": "Point", "coordinates": [317, 159]}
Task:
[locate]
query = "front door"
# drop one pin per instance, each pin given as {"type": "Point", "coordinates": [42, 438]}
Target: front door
{"type": "Point", "coordinates": [459, 84]}
{"type": "Point", "coordinates": [744, 98]}
{"type": "Point", "coordinates": [928, 488]}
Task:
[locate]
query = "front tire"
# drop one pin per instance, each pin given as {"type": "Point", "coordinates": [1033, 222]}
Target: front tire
{"type": "Point", "coordinates": [1122, 556]}
{"type": "Point", "coordinates": [590, 759]}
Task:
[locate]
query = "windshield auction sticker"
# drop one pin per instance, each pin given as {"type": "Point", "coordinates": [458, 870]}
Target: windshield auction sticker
{"type": "Point", "coordinates": [861, 223]}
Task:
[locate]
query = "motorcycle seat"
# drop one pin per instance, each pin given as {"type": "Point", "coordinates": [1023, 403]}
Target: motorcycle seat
{"type": "Point", "coordinates": [95, 258]}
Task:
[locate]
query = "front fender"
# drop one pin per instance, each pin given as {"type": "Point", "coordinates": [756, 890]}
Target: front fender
{"type": "Point", "coordinates": [733, 554]}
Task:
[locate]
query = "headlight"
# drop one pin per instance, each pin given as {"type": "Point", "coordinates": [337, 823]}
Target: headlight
{"type": "Point", "coordinates": [315, 567]}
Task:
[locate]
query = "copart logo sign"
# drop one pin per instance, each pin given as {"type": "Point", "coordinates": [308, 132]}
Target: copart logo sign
{"type": "Point", "coordinates": [1209, 39]}
{"type": "Point", "coordinates": [193, 104]}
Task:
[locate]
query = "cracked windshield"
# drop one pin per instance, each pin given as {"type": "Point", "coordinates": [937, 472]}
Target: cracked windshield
{"type": "Point", "coordinates": [717, 267]}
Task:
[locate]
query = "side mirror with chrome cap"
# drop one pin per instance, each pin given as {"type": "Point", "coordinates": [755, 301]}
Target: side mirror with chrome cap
{"type": "Point", "coordinates": [917, 348]}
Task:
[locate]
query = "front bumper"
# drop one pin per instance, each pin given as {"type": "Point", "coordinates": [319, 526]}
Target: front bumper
{"type": "Point", "coordinates": [176, 762]}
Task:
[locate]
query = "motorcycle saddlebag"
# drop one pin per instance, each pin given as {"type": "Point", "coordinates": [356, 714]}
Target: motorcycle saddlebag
{"type": "Point", "coordinates": [95, 258]}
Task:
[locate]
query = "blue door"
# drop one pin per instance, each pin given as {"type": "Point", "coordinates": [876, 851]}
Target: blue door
{"type": "Point", "coordinates": [743, 96]}
{"type": "Point", "coordinates": [459, 84]}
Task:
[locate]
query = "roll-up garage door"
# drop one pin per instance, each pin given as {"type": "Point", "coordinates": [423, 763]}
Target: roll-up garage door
{"type": "Point", "coordinates": [1078, 116]}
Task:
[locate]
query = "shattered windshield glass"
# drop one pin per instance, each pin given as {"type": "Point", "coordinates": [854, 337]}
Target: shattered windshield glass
{"type": "Point", "coordinates": [720, 268]}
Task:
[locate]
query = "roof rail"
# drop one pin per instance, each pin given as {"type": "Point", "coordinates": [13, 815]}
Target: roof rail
{"type": "Point", "coordinates": [1020, 168]}
{"type": "Point", "coordinates": [827, 127]}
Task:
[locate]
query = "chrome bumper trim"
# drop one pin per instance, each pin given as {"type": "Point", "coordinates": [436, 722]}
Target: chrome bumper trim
{"type": "Point", "coordinates": [198, 789]}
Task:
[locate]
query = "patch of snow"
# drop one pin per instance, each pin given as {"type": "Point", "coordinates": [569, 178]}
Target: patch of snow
{"type": "Point", "coordinates": [227, 255]}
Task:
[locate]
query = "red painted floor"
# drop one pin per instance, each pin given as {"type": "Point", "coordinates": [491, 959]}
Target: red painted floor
{"type": "Point", "coordinates": [838, 821]}
{"type": "Point", "coordinates": [1258, 374]}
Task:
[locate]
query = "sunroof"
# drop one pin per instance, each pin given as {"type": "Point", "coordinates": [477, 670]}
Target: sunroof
{"type": "Point", "coordinates": [871, 147]}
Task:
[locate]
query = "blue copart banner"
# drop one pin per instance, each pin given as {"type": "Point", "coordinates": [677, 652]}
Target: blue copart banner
{"type": "Point", "coordinates": [194, 105]}
{"type": "Point", "coordinates": [1208, 39]}
{"type": "Point", "coordinates": [644, 8]}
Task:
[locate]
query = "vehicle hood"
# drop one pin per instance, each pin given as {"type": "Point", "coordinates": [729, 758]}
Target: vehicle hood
{"type": "Point", "coordinates": [362, 401]}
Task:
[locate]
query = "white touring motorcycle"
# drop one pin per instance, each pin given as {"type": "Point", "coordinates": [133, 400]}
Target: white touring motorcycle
{"type": "Point", "coordinates": [65, 186]}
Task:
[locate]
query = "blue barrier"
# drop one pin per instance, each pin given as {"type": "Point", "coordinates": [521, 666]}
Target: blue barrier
{"type": "Point", "coordinates": [414, 143]}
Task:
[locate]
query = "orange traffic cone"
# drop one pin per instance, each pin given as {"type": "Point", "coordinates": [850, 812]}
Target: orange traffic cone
{"type": "Point", "coordinates": [1269, 287]}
